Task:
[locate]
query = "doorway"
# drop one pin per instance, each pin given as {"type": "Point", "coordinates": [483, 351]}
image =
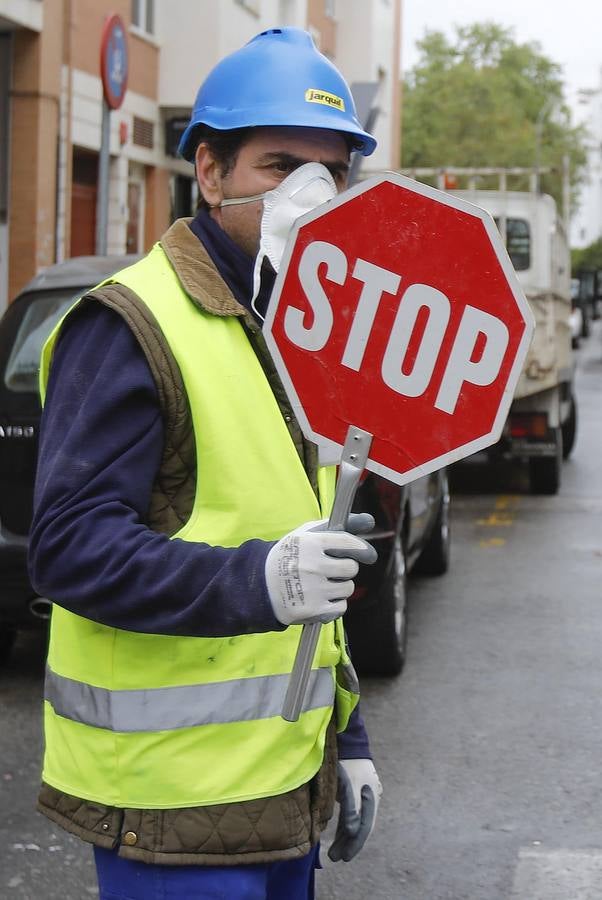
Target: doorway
{"type": "Point", "coordinates": [136, 197]}
{"type": "Point", "coordinates": [83, 202]}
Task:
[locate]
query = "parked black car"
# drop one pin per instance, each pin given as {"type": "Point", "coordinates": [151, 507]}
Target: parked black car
{"type": "Point", "coordinates": [582, 305]}
{"type": "Point", "coordinates": [412, 536]}
{"type": "Point", "coordinates": [590, 290]}
{"type": "Point", "coordinates": [23, 330]}
{"type": "Point", "coordinates": [412, 523]}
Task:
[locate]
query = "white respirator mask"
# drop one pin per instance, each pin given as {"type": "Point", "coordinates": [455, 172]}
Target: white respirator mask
{"type": "Point", "coordinates": [303, 190]}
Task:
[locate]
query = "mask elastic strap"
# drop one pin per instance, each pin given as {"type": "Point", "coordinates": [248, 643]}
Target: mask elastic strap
{"type": "Point", "coordinates": [234, 201]}
{"type": "Point", "coordinates": [257, 283]}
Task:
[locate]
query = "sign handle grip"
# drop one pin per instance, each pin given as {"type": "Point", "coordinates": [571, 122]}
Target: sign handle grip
{"type": "Point", "coordinates": [353, 462]}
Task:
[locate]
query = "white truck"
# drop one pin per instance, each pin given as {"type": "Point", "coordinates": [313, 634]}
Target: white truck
{"type": "Point", "coordinates": [541, 426]}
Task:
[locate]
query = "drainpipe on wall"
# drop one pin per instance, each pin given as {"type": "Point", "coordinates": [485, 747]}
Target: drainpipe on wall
{"type": "Point", "coordinates": [5, 85]}
{"type": "Point", "coordinates": [63, 161]}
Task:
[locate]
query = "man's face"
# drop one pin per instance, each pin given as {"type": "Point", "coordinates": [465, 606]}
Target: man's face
{"type": "Point", "coordinates": [262, 163]}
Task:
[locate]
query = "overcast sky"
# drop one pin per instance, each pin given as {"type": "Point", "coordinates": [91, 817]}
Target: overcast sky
{"type": "Point", "coordinates": [570, 33]}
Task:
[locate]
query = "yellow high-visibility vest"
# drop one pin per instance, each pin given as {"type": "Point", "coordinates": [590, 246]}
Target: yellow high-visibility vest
{"type": "Point", "coordinates": [157, 721]}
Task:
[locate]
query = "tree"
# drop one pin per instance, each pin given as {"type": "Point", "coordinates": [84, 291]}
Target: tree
{"type": "Point", "coordinates": [587, 258]}
{"type": "Point", "coordinates": [486, 100]}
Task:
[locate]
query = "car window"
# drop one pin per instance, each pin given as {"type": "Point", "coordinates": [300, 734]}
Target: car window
{"type": "Point", "coordinates": [42, 314]}
{"type": "Point", "coordinates": [518, 242]}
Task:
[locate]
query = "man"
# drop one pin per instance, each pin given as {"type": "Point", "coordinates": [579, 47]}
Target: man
{"type": "Point", "coordinates": [179, 529]}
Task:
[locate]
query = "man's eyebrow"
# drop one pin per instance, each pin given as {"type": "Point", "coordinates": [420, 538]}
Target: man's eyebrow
{"type": "Point", "coordinates": [336, 167]}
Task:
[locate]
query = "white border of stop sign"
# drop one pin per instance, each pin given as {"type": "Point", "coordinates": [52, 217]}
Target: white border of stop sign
{"type": "Point", "coordinates": [375, 280]}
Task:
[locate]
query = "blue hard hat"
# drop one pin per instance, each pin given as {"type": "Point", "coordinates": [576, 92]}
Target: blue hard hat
{"type": "Point", "coordinates": [278, 78]}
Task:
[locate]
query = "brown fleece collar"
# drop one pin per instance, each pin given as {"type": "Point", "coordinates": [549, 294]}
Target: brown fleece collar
{"type": "Point", "coordinates": [196, 271]}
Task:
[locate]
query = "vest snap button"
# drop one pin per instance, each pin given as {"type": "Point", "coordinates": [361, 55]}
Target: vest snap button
{"type": "Point", "coordinates": [287, 418]}
{"type": "Point", "coordinates": [105, 826]}
{"type": "Point", "coordinates": [130, 838]}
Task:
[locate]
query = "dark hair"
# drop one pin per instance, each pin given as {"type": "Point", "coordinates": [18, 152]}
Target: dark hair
{"type": "Point", "coordinates": [224, 146]}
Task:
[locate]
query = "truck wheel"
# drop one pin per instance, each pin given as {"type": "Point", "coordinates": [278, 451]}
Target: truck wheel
{"type": "Point", "coordinates": [7, 642]}
{"type": "Point", "coordinates": [378, 635]}
{"type": "Point", "coordinates": [545, 472]}
{"type": "Point", "coordinates": [569, 430]}
{"type": "Point", "coordinates": [434, 558]}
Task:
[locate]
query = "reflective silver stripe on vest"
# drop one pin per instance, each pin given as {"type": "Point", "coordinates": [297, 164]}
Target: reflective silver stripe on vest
{"type": "Point", "coordinates": [164, 709]}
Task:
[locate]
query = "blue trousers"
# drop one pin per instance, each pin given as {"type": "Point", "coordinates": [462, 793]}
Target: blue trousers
{"type": "Point", "coordinates": [123, 879]}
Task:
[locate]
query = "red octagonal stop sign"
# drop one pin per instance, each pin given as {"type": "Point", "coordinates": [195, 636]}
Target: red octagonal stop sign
{"type": "Point", "coordinates": [397, 310]}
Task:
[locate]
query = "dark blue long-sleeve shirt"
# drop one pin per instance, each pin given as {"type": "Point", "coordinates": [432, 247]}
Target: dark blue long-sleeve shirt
{"type": "Point", "coordinates": [101, 444]}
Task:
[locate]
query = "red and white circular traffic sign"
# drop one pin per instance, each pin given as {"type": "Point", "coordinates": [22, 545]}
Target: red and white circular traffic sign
{"type": "Point", "coordinates": [396, 309]}
{"type": "Point", "coordinates": [114, 61]}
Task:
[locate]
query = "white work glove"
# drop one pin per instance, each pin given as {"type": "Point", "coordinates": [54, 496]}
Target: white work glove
{"type": "Point", "coordinates": [309, 573]}
{"type": "Point", "coordinates": [359, 791]}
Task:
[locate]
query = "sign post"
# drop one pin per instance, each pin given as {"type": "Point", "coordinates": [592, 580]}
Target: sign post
{"type": "Point", "coordinates": [353, 462]}
{"type": "Point", "coordinates": [396, 313]}
{"type": "Point", "coordinates": [114, 75]}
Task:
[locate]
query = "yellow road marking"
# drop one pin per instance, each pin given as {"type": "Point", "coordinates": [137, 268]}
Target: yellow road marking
{"type": "Point", "coordinates": [503, 513]}
{"type": "Point", "coordinates": [492, 520]}
{"type": "Point", "coordinates": [502, 516]}
{"type": "Point", "coordinates": [505, 501]}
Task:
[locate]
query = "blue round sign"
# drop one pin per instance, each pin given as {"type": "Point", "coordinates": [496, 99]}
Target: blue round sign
{"type": "Point", "coordinates": [114, 61]}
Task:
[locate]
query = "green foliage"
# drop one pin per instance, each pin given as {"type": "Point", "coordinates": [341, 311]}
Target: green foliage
{"type": "Point", "coordinates": [485, 100]}
{"type": "Point", "coordinates": [587, 258]}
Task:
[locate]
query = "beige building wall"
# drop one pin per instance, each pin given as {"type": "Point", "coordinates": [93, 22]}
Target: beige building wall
{"type": "Point", "coordinates": [56, 105]}
{"type": "Point", "coordinates": [56, 101]}
{"type": "Point", "coordinates": [322, 26]}
{"type": "Point", "coordinates": [87, 20]}
{"type": "Point", "coordinates": [34, 124]}
{"type": "Point", "coordinates": [368, 49]}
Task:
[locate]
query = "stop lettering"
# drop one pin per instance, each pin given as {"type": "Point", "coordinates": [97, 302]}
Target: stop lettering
{"type": "Point", "coordinates": [397, 310]}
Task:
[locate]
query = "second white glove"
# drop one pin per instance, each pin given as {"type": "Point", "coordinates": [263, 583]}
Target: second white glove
{"type": "Point", "coordinates": [309, 573]}
{"type": "Point", "coordinates": [359, 792]}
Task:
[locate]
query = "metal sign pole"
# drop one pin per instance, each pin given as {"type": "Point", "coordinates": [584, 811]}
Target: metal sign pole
{"type": "Point", "coordinates": [353, 462]}
{"type": "Point", "coordinates": [102, 203]}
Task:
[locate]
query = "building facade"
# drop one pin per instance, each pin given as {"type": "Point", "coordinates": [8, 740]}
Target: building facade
{"type": "Point", "coordinates": [586, 226]}
{"type": "Point", "coordinates": [51, 110]}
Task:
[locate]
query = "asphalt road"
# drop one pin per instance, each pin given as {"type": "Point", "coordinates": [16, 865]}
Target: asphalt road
{"type": "Point", "coordinates": [490, 744]}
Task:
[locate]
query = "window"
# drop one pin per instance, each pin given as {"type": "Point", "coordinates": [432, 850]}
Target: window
{"type": "Point", "coordinates": [518, 242]}
{"type": "Point", "coordinates": [143, 15]}
{"type": "Point", "coordinates": [183, 195]}
{"type": "Point", "coordinates": [43, 314]}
